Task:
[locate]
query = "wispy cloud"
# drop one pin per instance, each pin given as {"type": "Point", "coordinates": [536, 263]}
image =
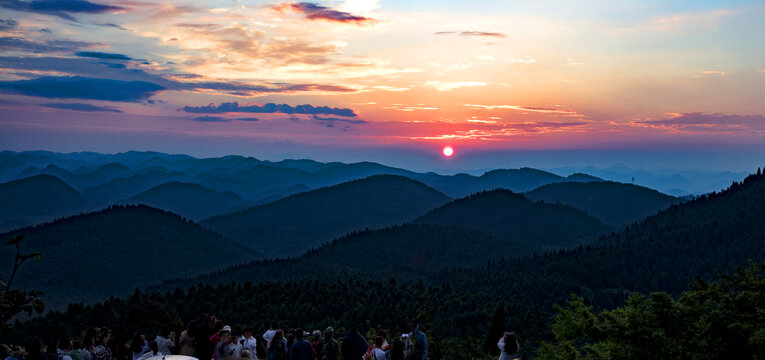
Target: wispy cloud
{"type": "Point", "coordinates": [313, 11]}
{"type": "Point", "coordinates": [451, 85]}
{"type": "Point", "coordinates": [10, 43]}
{"type": "Point", "coordinates": [60, 8]}
{"type": "Point", "coordinates": [523, 60]}
{"type": "Point", "coordinates": [531, 109]}
{"type": "Point", "coordinates": [270, 108]}
{"type": "Point", "coordinates": [82, 107]}
{"type": "Point", "coordinates": [489, 132]}
{"type": "Point", "coordinates": [222, 119]}
{"type": "Point", "coordinates": [696, 122]}
{"type": "Point", "coordinates": [472, 33]}
{"type": "Point", "coordinates": [706, 73]}
{"type": "Point", "coordinates": [678, 22]}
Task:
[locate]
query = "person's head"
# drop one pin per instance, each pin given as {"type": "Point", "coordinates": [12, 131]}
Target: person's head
{"type": "Point", "coordinates": [76, 345]}
{"type": "Point", "coordinates": [382, 333]}
{"type": "Point", "coordinates": [413, 324]}
{"type": "Point", "coordinates": [213, 320]}
{"type": "Point", "coordinates": [218, 325]}
{"type": "Point", "coordinates": [511, 343]}
{"type": "Point", "coordinates": [379, 342]}
{"type": "Point", "coordinates": [153, 347]}
{"type": "Point", "coordinates": [245, 354]}
{"type": "Point", "coordinates": [273, 325]}
{"type": "Point", "coordinates": [34, 346]}
{"type": "Point", "coordinates": [106, 333]}
{"type": "Point", "coordinates": [137, 344]}
{"type": "Point", "coordinates": [98, 340]}
{"type": "Point", "coordinates": [329, 333]}
{"type": "Point", "coordinates": [225, 333]}
{"type": "Point", "coordinates": [299, 333]}
{"type": "Point", "coordinates": [247, 332]}
{"type": "Point", "coordinates": [191, 328]}
{"type": "Point", "coordinates": [88, 341]}
{"type": "Point", "coordinates": [164, 332]}
{"type": "Point", "coordinates": [278, 336]}
{"type": "Point", "coordinates": [65, 342]}
{"type": "Point", "coordinates": [236, 331]}
{"type": "Point", "coordinates": [316, 335]}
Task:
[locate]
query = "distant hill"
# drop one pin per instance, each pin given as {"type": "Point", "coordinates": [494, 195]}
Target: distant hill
{"type": "Point", "coordinates": [192, 201]}
{"type": "Point", "coordinates": [123, 187]}
{"type": "Point", "coordinates": [113, 251]}
{"type": "Point", "coordinates": [507, 214]}
{"type": "Point", "coordinates": [616, 204]}
{"type": "Point", "coordinates": [36, 199]}
{"type": "Point", "coordinates": [292, 225]}
{"type": "Point", "coordinates": [517, 180]}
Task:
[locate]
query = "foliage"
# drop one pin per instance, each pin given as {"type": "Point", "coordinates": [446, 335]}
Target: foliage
{"type": "Point", "coordinates": [16, 301]}
{"type": "Point", "coordinates": [723, 319]}
{"type": "Point", "coordinates": [496, 331]}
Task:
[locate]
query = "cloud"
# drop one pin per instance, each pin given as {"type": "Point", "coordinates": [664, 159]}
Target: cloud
{"type": "Point", "coordinates": [82, 107]}
{"type": "Point", "coordinates": [60, 8]}
{"type": "Point", "coordinates": [100, 55]}
{"type": "Point", "coordinates": [179, 82]}
{"type": "Point", "coordinates": [523, 60]}
{"type": "Point", "coordinates": [270, 108]}
{"type": "Point", "coordinates": [449, 86]}
{"type": "Point", "coordinates": [505, 131]}
{"type": "Point", "coordinates": [10, 43]}
{"type": "Point", "coordinates": [79, 87]}
{"type": "Point", "coordinates": [696, 122]}
{"type": "Point", "coordinates": [472, 33]}
{"type": "Point", "coordinates": [565, 112]}
{"type": "Point", "coordinates": [8, 24]}
{"type": "Point", "coordinates": [707, 73]}
{"type": "Point", "coordinates": [333, 119]}
{"type": "Point", "coordinates": [210, 119]}
{"type": "Point", "coordinates": [318, 12]}
{"type": "Point", "coordinates": [222, 119]}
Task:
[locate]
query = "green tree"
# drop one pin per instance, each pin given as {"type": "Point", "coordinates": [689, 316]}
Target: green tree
{"type": "Point", "coordinates": [723, 319]}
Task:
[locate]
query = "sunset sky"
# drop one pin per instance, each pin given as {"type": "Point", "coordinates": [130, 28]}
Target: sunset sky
{"type": "Point", "coordinates": [382, 80]}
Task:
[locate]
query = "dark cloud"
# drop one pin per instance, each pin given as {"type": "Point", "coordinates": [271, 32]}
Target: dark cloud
{"type": "Point", "coordinates": [333, 119]}
{"type": "Point", "coordinates": [696, 122]}
{"type": "Point", "coordinates": [8, 24]}
{"type": "Point", "coordinates": [60, 8]}
{"type": "Point", "coordinates": [100, 55]}
{"type": "Point", "coordinates": [210, 119]}
{"type": "Point", "coordinates": [10, 43]}
{"type": "Point", "coordinates": [270, 108]}
{"type": "Point", "coordinates": [82, 107]}
{"type": "Point", "coordinates": [222, 119]}
{"type": "Point", "coordinates": [318, 12]}
{"type": "Point", "coordinates": [79, 87]}
{"type": "Point", "coordinates": [472, 33]}
{"type": "Point", "coordinates": [113, 26]}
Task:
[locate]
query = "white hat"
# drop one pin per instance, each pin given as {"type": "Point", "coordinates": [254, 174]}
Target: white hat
{"type": "Point", "coordinates": [226, 328]}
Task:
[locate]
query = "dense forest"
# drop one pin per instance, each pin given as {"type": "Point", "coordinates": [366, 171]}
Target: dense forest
{"type": "Point", "coordinates": [666, 252]}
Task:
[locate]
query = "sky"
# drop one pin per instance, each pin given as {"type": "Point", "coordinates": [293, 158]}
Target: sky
{"type": "Point", "coordinates": [505, 83]}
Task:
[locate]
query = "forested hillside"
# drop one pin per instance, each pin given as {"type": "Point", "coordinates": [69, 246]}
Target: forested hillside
{"type": "Point", "coordinates": [613, 203]}
{"type": "Point", "coordinates": [293, 225]}
{"type": "Point", "coordinates": [37, 199]}
{"type": "Point", "coordinates": [87, 258]}
{"type": "Point", "coordinates": [507, 214]}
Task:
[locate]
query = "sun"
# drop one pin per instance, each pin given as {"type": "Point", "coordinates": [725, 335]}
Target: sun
{"type": "Point", "coordinates": [448, 151]}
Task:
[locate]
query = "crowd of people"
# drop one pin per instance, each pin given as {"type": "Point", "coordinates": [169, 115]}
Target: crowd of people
{"type": "Point", "coordinates": [208, 338]}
